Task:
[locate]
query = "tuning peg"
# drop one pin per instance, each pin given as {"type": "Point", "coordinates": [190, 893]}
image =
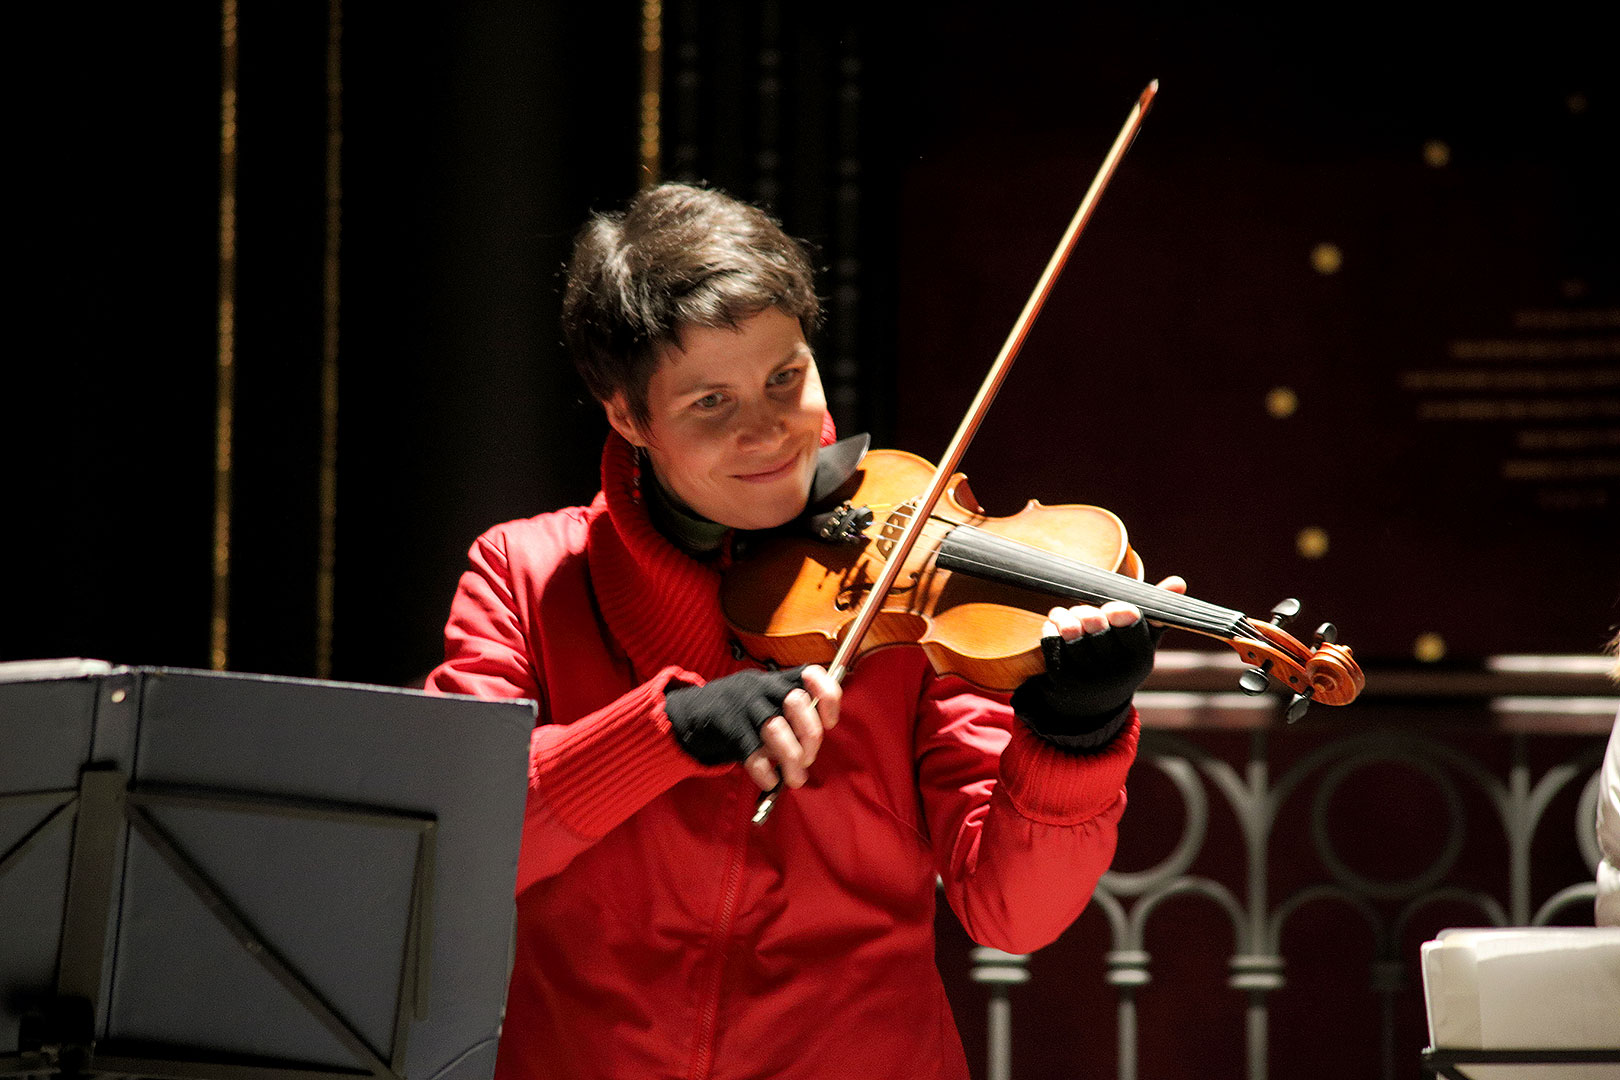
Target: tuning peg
{"type": "Point", "coordinates": [1284, 611]}
{"type": "Point", "coordinates": [1326, 632]}
{"type": "Point", "coordinates": [843, 525]}
{"type": "Point", "coordinates": [1254, 680]}
{"type": "Point", "coordinates": [1299, 703]}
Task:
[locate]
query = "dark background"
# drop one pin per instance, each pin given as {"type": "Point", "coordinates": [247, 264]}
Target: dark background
{"type": "Point", "coordinates": [1461, 164]}
{"type": "Point", "coordinates": [933, 165]}
{"type": "Point", "coordinates": [1143, 387]}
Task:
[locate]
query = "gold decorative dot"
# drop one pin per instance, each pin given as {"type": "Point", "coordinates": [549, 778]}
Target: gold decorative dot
{"type": "Point", "coordinates": [1429, 648]}
{"type": "Point", "coordinates": [1436, 154]}
{"type": "Point", "coordinates": [118, 696]}
{"type": "Point", "coordinates": [1312, 543]}
{"type": "Point", "coordinates": [1327, 258]}
{"type": "Point", "coordinates": [1281, 402]}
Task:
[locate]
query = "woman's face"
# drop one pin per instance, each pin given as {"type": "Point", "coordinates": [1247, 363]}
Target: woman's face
{"type": "Point", "coordinates": [735, 420]}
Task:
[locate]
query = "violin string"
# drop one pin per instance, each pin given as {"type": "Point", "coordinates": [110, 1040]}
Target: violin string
{"type": "Point", "coordinates": [1062, 576]}
{"type": "Point", "coordinates": [1058, 570]}
{"type": "Point", "coordinates": [1161, 609]}
{"type": "Point", "coordinates": [1043, 571]}
{"type": "Point", "coordinates": [1167, 613]}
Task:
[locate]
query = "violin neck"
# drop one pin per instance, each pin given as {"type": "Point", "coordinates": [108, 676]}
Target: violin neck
{"type": "Point", "coordinates": [970, 550]}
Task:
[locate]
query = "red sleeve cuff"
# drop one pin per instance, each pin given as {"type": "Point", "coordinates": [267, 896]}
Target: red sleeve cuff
{"type": "Point", "coordinates": [1058, 787]}
{"type": "Point", "coordinates": [596, 772]}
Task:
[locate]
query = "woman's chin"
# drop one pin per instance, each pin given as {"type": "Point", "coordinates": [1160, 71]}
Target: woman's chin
{"type": "Point", "coordinates": [755, 519]}
{"type": "Point", "coordinates": [755, 510]}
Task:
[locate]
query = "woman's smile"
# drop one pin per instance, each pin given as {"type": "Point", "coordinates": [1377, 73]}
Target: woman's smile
{"type": "Point", "coordinates": [765, 476]}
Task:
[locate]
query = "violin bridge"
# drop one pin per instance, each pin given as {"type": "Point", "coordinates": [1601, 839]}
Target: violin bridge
{"type": "Point", "coordinates": [894, 525]}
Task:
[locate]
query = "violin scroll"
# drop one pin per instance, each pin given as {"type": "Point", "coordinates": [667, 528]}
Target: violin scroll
{"type": "Point", "coordinates": [1325, 671]}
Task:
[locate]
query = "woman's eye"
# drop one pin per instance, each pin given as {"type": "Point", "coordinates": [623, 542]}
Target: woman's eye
{"type": "Point", "coordinates": [786, 377]}
{"type": "Point", "coordinates": [707, 402]}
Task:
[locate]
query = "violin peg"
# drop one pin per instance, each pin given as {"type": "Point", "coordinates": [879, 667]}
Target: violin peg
{"type": "Point", "coordinates": [1253, 681]}
{"type": "Point", "coordinates": [843, 525]}
{"type": "Point", "coordinates": [1326, 632]}
{"type": "Point", "coordinates": [1284, 611]}
{"type": "Point", "coordinates": [1298, 704]}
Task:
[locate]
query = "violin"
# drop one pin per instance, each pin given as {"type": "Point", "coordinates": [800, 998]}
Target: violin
{"type": "Point", "coordinates": [974, 590]}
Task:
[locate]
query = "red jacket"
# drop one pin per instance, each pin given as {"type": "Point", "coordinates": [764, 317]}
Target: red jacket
{"type": "Point", "coordinates": [660, 934]}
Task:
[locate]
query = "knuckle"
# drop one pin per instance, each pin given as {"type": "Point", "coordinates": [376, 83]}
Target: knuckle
{"type": "Point", "coordinates": [786, 748]}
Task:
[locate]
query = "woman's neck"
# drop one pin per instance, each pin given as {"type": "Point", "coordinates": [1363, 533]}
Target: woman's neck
{"type": "Point", "coordinates": [697, 536]}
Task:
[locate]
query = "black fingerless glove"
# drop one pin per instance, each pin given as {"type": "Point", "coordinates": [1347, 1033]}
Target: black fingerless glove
{"type": "Point", "coordinates": [720, 721]}
{"type": "Point", "coordinates": [1084, 697]}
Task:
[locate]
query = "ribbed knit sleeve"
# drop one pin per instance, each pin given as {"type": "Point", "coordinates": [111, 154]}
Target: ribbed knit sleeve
{"type": "Point", "coordinates": [587, 777]}
{"type": "Point", "coordinates": [1022, 830]}
{"type": "Point", "coordinates": [1060, 787]}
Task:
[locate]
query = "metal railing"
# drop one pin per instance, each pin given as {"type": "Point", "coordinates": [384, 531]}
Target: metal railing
{"type": "Point", "coordinates": [1414, 728]}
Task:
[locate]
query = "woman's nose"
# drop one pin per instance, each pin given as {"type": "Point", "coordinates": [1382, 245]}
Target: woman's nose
{"type": "Point", "coordinates": [761, 421]}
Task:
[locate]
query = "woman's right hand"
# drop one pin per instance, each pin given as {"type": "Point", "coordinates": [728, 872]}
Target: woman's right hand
{"type": "Point", "coordinates": [771, 721]}
{"type": "Point", "coordinates": [792, 739]}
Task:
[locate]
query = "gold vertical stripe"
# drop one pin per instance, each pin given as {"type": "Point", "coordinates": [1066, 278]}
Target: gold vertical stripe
{"type": "Point", "coordinates": [225, 365]}
{"type": "Point", "coordinates": [326, 574]}
{"type": "Point", "coordinates": [652, 75]}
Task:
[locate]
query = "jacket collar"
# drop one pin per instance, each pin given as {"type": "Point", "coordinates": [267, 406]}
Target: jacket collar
{"type": "Point", "coordinates": [662, 606]}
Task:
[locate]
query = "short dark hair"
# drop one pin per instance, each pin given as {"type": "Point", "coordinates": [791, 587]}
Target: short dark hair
{"type": "Point", "coordinates": [678, 256]}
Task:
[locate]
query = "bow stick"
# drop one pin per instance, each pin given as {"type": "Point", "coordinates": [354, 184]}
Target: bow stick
{"type": "Point", "coordinates": [924, 504]}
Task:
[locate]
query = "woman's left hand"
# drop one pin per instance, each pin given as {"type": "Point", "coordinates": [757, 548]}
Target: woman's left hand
{"type": "Point", "coordinates": [1096, 657]}
{"type": "Point", "coordinates": [1071, 622]}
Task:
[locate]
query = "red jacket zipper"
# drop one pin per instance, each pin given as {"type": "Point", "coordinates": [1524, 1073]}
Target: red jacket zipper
{"type": "Point", "coordinates": [703, 1052]}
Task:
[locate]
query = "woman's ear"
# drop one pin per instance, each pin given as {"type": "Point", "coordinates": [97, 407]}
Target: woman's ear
{"type": "Point", "coordinates": [618, 414]}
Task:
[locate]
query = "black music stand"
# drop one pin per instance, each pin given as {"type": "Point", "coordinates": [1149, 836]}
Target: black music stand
{"type": "Point", "coordinates": [211, 876]}
{"type": "Point", "coordinates": [1440, 1061]}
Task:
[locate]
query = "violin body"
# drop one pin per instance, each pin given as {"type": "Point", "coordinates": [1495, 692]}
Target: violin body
{"type": "Point", "coordinates": [975, 591]}
{"type": "Point", "coordinates": [789, 598]}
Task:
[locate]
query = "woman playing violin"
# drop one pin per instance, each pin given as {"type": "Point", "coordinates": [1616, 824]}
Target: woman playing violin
{"type": "Point", "coordinates": [660, 933]}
